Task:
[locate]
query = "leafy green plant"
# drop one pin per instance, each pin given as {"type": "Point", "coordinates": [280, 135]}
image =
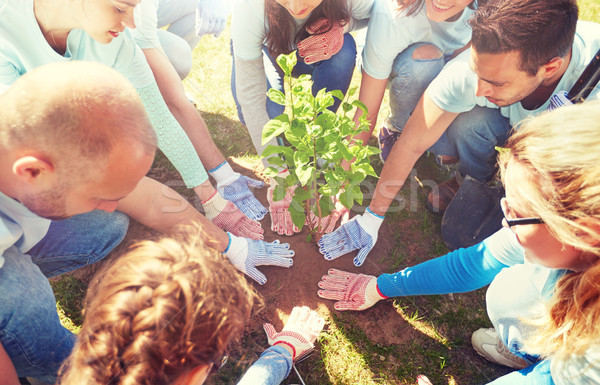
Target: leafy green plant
{"type": "Point", "coordinates": [314, 133]}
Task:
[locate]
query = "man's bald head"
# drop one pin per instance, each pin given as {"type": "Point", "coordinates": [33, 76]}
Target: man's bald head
{"type": "Point", "coordinates": [75, 114]}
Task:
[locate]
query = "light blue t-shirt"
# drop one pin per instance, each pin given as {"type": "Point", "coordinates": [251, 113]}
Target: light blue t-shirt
{"type": "Point", "coordinates": [19, 227]}
{"type": "Point", "coordinates": [249, 26]}
{"type": "Point", "coordinates": [391, 31]}
{"type": "Point", "coordinates": [454, 88]}
{"type": "Point", "coordinates": [23, 48]}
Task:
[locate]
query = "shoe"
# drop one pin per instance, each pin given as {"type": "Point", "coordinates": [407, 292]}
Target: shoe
{"type": "Point", "coordinates": [439, 199]}
{"type": "Point", "coordinates": [386, 138]}
{"type": "Point", "coordinates": [446, 160]}
{"type": "Point", "coordinates": [487, 344]}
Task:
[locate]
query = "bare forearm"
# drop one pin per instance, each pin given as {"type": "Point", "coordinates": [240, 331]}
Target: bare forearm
{"type": "Point", "coordinates": [184, 112]}
{"type": "Point", "coordinates": [425, 126]}
{"type": "Point", "coordinates": [161, 208]}
{"type": "Point", "coordinates": [371, 94]}
{"type": "Point", "coordinates": [9, 374]}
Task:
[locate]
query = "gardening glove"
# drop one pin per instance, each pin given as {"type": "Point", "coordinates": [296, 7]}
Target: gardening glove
{"type": "Point", "coordinates": [321, 46]}
{"type": "Point", "coordinates": [558, 100]}
{"type": "Point", "coordinates": [329, 221]}
{"type": "Point", "coordinates": [246, 254]}
{"type": "Point", "coordinates": [351, 291]}
{"type": "Point", "coordinates": [281, 219]}
{"type": "Point", "coordinates": [299, 332]}
{"type": "Point", "coordinates": [360, 233]}
{"type": "Point", "coordinates": [211, 16]}
{"type": "Point", "coordinates": [226, 216]}
{"type": "Point", "coordinates": [236, 188]}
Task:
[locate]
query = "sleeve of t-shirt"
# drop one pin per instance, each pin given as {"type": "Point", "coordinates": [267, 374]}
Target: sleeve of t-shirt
{"type": "Point", "coordinates": [248, 29]}
{"type": "Point", "coordinates": [459, 271]}
{"type": "Point", "coordinates": [8, 72]}
{"type": "Point", "coordinates": [453, 90]}
{"type": "Point", "coordinates": [360, 9]}
{"type": "Point", "coordinates": [386, 38]}
{"type": "Point", "coordinates": [146, 23]}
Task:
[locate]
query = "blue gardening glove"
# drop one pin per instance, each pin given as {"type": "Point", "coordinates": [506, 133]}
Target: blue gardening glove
{"type": "Point", "coordinates": [245, 254]}
{"type": "Point", "coordinates": [360, 233]}
{"type": "Point", "coordinates": [236, 188]}
{"type": "Point", "coordinates": [211, 16]}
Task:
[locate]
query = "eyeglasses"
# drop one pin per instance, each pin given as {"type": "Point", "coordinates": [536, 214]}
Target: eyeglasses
{"type": "Point", "coordinates": [513, 220]}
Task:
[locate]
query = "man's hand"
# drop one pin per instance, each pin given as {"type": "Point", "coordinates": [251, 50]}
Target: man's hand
{"type": "Point", "coordinates": [281, 219]}
{"type": "Point", "coordinates": [299, 332]}
{"type": "Point", "coordinates": [351, 291]}
{"type": "Point", "coordinates": [211, 16]}
{"type": "Point", "coordinates": [226, 216]}
{"type": "Point", "coordinates": [360, 233]}
{"type": "Point", "coordinates": [321, 46]}
{"type": "Point", "coordinates": [246, 254]}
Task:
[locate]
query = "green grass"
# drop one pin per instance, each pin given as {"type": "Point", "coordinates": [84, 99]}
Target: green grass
{"type": "Point", "coordinates": [435, 330]}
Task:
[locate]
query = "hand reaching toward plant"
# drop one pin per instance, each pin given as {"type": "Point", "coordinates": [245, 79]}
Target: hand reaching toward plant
{"type": "Point", "coordinates": [299, 332]}
{"type": "Point", "coordinates": [360, 233]}
{"type": "Point", "coordinates": [322, 44]}
{"type": "Point", "coordinates": [228, 217]}
{"type": "Point", "coordinates": [236, 188]}
{"type": "Point", "coordinates": [351, 291]}
{"type": "Point", "coordinates": [246, 254]}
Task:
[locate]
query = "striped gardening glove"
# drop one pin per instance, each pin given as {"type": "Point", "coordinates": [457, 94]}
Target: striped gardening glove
{"type": "Point", "coordinates": [360, 233]}
{"type": "Point", "coordinates": [281, 220]}
{"type": "Point", "coordinates": [325, 40]}
{"type": "Point", "coordinates": [351, 291]}
{"type": "Point", "coordinates": [246, 255]}
{"type": "Point", "coordinates": [236, 188]}
{"type": "Point", "coordinates": [226, 216]}
{"type": "Point", "coordinates": [299, 332]}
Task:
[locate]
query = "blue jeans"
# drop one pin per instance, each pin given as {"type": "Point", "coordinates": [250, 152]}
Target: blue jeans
{"type": "Point", "coordinates": [408, 81]}
{"type": "Point", "coordinates": [30, 330]}
{"type": "Point", "coordinates": [271, 368]}
{"type": "Point", "coordinates": [332, 74]}
{"type": "Point", "coordinates": [472, 138]}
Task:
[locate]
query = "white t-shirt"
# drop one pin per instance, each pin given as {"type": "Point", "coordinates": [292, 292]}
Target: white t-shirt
{"type": "Point", "coordinates": [19, 227]}
{"type": "Point", "coordinates": [249, 26]}
{"type": "Point", "coordinates": [453, 90]}
{"type": "Point", "coordinates": [146, 24]}
{"type": "Point", "coordinates": [390, 32]}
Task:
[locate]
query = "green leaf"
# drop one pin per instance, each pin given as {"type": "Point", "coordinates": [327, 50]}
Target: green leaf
{"type": "Point", "coordinates": [346, 199]}
{"type": "Point", "coordinates": [301, 159]}
{"type": "Point", "coordinates": [304, 174]}
{"type": "Point", "coordinates": [346, 106]}
{"type": "Point", "coordinates": [352, 91]}
{"type": "Point", "coordinates": [300, 195]}
{"type": "Point", "coordinates": [338, 94]}
{"type": "Point", "coordinates": [275, 127]}
{"type": "Point", "coordinates": [361, 105]}
{"type": "Point", "coordinates": [278, 193]}
{"type": "Point", "coordinates": [271, 171]}
{"type": "Point", "coordinates": [326, 206]}
{"type": "Point", "coordinates": [276, 96]}
{"type": "Point", "coordinates": [276, 161]}
{"type": "Point", "coordinates": [357, 194]}
{"type": "Point", "coordinates": [271, 149]}
{"type": "Point", "coordinates": [287, 62]}
{"type": "Point", "coordinates": [297, 214]}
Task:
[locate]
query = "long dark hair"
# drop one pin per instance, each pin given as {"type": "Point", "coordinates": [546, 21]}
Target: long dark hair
{"type": "Point", "coordinates": [279, 37]}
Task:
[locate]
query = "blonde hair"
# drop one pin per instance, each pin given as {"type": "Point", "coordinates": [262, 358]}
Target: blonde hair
{"type": "Point", "coordinates": [560, 150]}
{"type": "Point", "coordinates": [161, 310]}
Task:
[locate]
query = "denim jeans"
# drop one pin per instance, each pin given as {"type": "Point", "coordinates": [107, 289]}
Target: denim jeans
{"type": "Point", "coordinates": [408, 81]}
{"type": "Point", "coordinates": [30, 330]}
{"type": "Point", "coordinates": [472, 138]}
{"type": "Point", "coordinates": [179, 39]}
{"type": "Point", "coordinates": [332, 74]}
{"type": "Point", "coordinates": [271, 368]}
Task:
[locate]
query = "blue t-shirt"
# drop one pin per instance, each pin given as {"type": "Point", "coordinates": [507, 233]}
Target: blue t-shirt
{"type": "Point", "coordinates": [453, 90]}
